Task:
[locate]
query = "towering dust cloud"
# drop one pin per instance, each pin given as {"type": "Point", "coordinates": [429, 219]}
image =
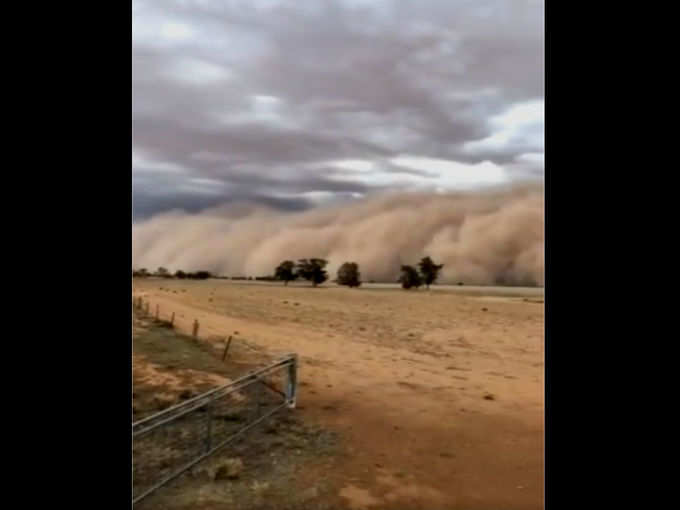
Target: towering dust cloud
{"type": "Point", "coordinates": [488, 237]}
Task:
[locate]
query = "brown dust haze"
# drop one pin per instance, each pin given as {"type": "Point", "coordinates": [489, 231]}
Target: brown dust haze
{"type": "Point", "coordinates": [482, 238]}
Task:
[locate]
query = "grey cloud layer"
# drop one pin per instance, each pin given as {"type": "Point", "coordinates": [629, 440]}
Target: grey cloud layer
{"type": "Point", "coordinates": [253, 99]}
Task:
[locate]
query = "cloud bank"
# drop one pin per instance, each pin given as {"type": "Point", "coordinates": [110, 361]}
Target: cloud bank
{"type": "Point", "coordinates": [491, 237]}
{"type": "Point", "coordinates": [269, 100]}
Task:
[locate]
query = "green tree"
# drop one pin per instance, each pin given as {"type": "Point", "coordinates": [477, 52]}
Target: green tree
{"type": "Point", "coordinates": [429, 271]}
{"type": "Point", "coordinates": [349, 275]}
{"type": "Point", "coordinates": [286, 272]}
{"type": "Point", "coordinates": [180, 274]}
{"type": "Point", "coordinates": [312, 270]}
{"type": "Point", "coordinates": [409, 277]}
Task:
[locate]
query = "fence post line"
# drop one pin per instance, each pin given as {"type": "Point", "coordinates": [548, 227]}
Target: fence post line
{"type": "Point", "coordinates": [147, 308]}
{"type": "Point", "coordinates": [195, 333]}
{"type": "Point", "coordinates": [172, 319]}
{"type": "Point", "coordinates": [157, 313]}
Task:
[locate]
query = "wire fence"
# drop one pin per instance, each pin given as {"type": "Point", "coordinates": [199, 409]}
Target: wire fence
{"type": "Point", "coordinates": [248, 354]}
{"type": "Point", "coordinates": [172, 441]}
{"type": "Point", "coordinates": [144, 308]}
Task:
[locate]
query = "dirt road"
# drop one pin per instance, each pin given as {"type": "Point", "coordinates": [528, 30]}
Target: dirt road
{"type": "Point", "coordinates": [439, 396]}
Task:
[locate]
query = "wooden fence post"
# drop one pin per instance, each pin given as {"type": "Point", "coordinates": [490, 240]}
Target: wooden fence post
{"type": "Point", "coordinates": [157, 314]}
{"type": "Point", "coordinates": [172, 319]}
{"type": "Point", "coordinates": [195, 328]}
{"type": "Point", "coordinates": [226, 349]}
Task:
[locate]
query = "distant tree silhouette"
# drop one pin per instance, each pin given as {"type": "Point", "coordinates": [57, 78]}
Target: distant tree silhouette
{"type": "Point", "coordinates": [180, 274]}
{"type": "Point", "coordinates": [312, 270]}
{"type": "Point", "coordinates": [199, 275]}
{"type": "Point", "coordinates": [409, 277]}
{"type": "Point", "coordinates": [429, 271]}
{"type": "Point", "coordinates": [161, 271]}
{"type": "Point", "coordinates": [286, 272]}
{"type": "Point", "coordinates": [349, 275]}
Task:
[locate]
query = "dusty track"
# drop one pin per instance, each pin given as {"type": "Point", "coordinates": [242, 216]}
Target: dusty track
{"type": "Point", "coordinates": [403, 376]}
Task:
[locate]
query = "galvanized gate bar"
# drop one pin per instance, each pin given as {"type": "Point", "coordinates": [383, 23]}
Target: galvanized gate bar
{"type": "Point", "coordinates": [207, 454]}
{"type": "Point", "coordinates": [235, 385]}
{"type": "Point", "coordinates": [208, 402]}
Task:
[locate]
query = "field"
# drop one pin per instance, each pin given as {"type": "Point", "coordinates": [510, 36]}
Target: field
{"type": "Point", "coordinates": [437, 397]}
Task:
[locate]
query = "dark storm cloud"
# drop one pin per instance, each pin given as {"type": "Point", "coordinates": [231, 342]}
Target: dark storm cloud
{"type": "Point", "coordinates": [264, 99]}
{"type": "Point", "coordinates": [146, 205]}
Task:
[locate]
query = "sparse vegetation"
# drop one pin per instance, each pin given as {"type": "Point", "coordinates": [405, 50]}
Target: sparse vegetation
{"type": "Point", "coordinates": [349, 275]}
{"type": "Point", "coordinates": [312, 270]}
{"type": "Point", "coordinates": [355, 328]}
{"type": "Point", "coordinates": [286, 272]}
{"type": "Point", "coordinates": [429, 271]}
{"type": "Point", "coordinates": [199, 275]}
{"type": "Point", "coordinates": [409, 278]}
{"type": "Point", "coordinates": [162, 272]}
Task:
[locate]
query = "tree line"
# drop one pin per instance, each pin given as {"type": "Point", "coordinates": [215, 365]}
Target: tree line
{"type": "Point", "coordinates": [162, 272]}
{"type": "Point", "coordinates": [313, 270]}
{"type": "Point", "coordinates": [348, 274]}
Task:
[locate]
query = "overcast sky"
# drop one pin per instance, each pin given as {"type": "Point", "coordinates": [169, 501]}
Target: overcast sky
{"type": "Point", "coordinates": [303, 102]}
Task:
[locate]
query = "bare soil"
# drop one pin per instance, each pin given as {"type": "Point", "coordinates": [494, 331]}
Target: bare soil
{"type": "Point", "coordinates": [169, 367]}
{"type": "Point", "coordinates": [437, 396]}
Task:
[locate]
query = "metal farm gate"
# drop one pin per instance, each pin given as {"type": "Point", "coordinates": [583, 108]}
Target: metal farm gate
{"type": "Point", "coordinates": [170, 442]}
